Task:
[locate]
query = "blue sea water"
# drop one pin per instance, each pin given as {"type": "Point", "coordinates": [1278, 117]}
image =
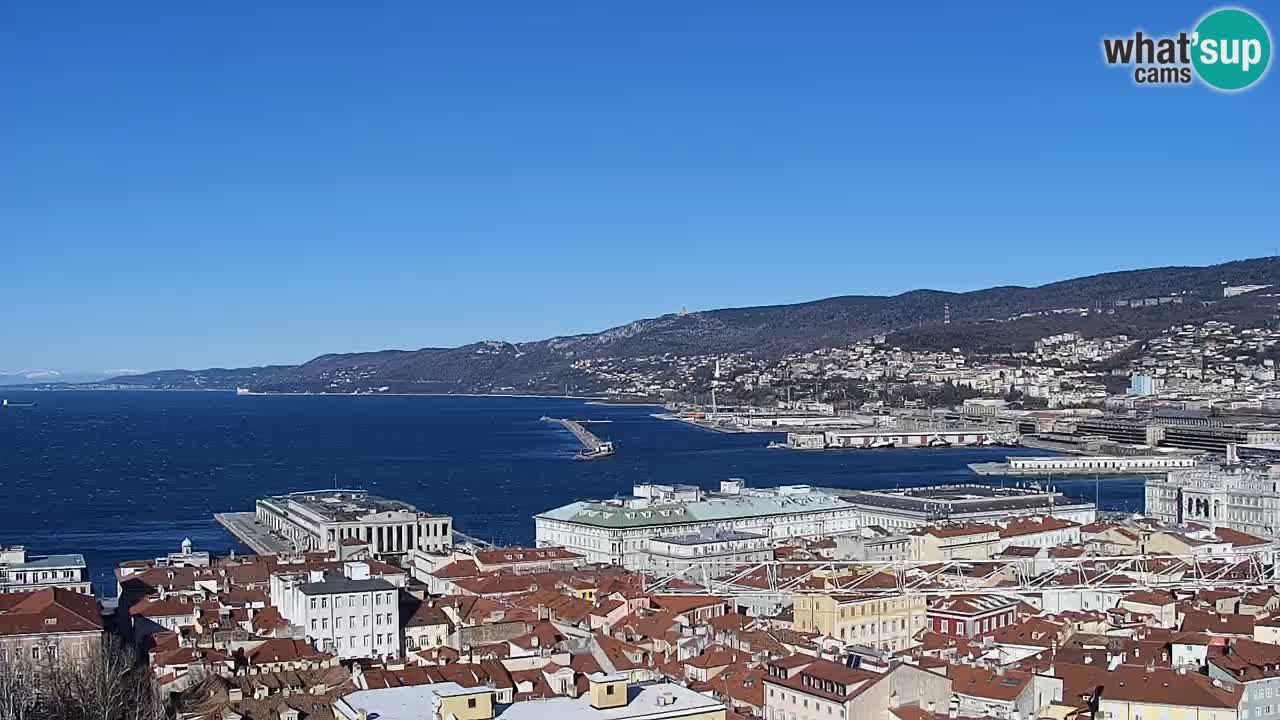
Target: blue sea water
{"type": "Point", "coordinates": [127, 475]}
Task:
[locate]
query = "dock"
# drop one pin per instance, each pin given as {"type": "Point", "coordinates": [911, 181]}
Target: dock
{"type": "Point", "coordinates": [246, 528]}
{"type": "Point", "coordinates": [592, 446]}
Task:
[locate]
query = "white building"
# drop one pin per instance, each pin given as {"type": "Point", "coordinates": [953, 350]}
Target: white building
{"type": "Point", "coordinates": [20, 572]}
{"type": "Point", "coordinates": [351, 615]}
{"type": "Point", "coordinates": [715, 552]}
{"type": "Point", "coordinates": [1239, 499]}
{"type": "Point", "coordinates": [900, 510]}
{"type": "Point", "coordinates": [618, 531]}
{"type": "Point", "coordinates": [1100, 463]}
{"type": "Point", "coordinates": [322, 519]}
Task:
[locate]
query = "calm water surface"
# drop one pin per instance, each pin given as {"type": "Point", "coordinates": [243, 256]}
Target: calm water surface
{"type": "Point", "coordinates": [126, 475]}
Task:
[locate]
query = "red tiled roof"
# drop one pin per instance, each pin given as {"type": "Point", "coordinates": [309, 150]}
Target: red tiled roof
{"type": "Point", "coordinates": [50, 611]}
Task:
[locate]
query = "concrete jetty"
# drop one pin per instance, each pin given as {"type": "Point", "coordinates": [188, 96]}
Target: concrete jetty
{"type": "Point", "coordinates": [592, 446]}
{"type": "Point", "coordinates": [246, 528]}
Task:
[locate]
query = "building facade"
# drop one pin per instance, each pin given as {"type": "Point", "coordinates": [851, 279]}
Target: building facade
{"type": "Point", "coordinates": [804, 688]}
{"type": "Point", "coordinates": [971, 503]}
{"type": "Point", "coordinates": [714, 552]}
{"type": "Point", "coordinates": [619, 531]}
{"type": "Point", "coordinates": [1240, 499]}
{"type": "Point", "coordinates": [47, 625]}
{"type": "Point", "coordinates": [971, 616]}
{"type": "Point", "coordinates": [1099, 463]}
{"type": "Point", "coordinates": [350, 615]}
{"type": "Point", "coordinates": [322, 520]}
{"type": "Point", "coordinates": [881, 622]}
{"type": "Point", "coordinates": [20, 572]}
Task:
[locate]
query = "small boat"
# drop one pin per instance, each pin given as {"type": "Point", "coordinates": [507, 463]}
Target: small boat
{"type": "Point", "coordinates": [881, 443]}
{"type": "Point", "coordinates": [938, 442]}
{"type": "Point", "coordinates": [18, 403]}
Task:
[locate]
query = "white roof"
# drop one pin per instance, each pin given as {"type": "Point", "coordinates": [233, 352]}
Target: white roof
{"type": "Point", "coordinates": [417, 703]}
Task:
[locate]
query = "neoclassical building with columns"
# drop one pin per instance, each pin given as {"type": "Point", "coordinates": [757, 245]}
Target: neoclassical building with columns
{"type": "Point", "coordinates": [324, 519]}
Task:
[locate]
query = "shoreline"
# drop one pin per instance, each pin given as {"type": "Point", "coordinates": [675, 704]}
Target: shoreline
{"type": "Point", "coordinates": [598, 398]}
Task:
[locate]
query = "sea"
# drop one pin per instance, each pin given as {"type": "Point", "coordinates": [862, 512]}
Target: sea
{"type": "Point", "coordinates": [125, 475]}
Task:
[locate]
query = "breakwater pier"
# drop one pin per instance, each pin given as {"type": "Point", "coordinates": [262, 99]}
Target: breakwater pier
{"type": "Point", "coordinates": [592, 446]}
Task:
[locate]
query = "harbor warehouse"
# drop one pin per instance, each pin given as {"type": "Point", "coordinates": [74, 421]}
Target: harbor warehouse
{"type": "Point", "coordinates": [618, 531]}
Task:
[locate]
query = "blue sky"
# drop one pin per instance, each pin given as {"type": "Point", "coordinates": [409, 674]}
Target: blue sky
{"type": "Point", "coordinates": [233, 183]}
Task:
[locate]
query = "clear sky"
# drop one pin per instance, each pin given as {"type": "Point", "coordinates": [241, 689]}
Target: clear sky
{"type": "Point", "coordinates": [193, 184]}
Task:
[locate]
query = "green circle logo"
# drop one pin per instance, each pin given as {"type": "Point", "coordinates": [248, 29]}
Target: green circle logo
{"type": "Point", "coordinates": [1232, 49]}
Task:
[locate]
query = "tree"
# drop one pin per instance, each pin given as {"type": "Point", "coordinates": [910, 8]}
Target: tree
{"type": "Point", "coordinates": [108, 684]}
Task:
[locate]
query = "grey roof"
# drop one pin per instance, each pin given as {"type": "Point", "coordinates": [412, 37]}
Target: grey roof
{"type": "Point", "coordinates": [52, 561]}
{"type": "Point", "coordinates": [344, 505]}
{"type": "Point", "coordinates": [704, 538]}
{"type": "Point", "coordinates": [713, 507]}
{"type": "Point", "coordinates": [959, 499]}
{"type": "Point", "coordinates": [340, 585]}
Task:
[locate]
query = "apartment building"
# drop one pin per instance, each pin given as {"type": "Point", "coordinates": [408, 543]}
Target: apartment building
{"type": "Point", "coordinates": [974, 541]}
{"type": "Point", "coordinates": [20, 572]}
{"type": "Point", "coordinates": [49, 624]}
{"type": "Point", "coordinates": [886, 623]}
{"type": "Point", "coordinates": [800, 687]}
{"type": "Point", "coordinates": [350, 615]}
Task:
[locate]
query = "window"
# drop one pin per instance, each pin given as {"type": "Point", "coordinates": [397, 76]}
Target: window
{"type": "Point", "coordinates": [313, 623]}
{"type": "Point", "coordinates": [471, 702]}
{"type": "Point", "coordinates": [608, 689]}
{"type": "Point", "coordinates": [313, 603]}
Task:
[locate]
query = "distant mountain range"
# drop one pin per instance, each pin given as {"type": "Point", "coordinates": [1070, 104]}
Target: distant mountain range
{"type": "Point", "coordinates": [45, 376]}
{"type": "Point", "coordinates": [1140, 303]}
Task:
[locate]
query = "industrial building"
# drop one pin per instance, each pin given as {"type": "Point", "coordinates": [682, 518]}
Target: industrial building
{"type": "Point", "coordinates": [618, 531]}
{"type": "Point", "coordinates": [1165, 432]}
{"type": "Point", "coordinates": [329, 519]}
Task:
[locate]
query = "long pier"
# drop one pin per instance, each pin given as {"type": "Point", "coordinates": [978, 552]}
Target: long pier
{"type": "Point", "coordinates": [592, 446]}
{"type": "Point", "coordinates": [246, 528]}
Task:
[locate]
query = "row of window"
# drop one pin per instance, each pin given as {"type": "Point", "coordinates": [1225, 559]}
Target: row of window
{"type": "Point", "coordinates": [794, 699]}
{"type": "Point", "coordinates": [43, 575]}
{"type": "Point", "coordinates": [339, 601]}
{"type": "Point", "coordinates": [35, 652]}
{"type": "Point", "coordinates": [358, 641]}
{"type": "Point", "coordinates": [378, 619]}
